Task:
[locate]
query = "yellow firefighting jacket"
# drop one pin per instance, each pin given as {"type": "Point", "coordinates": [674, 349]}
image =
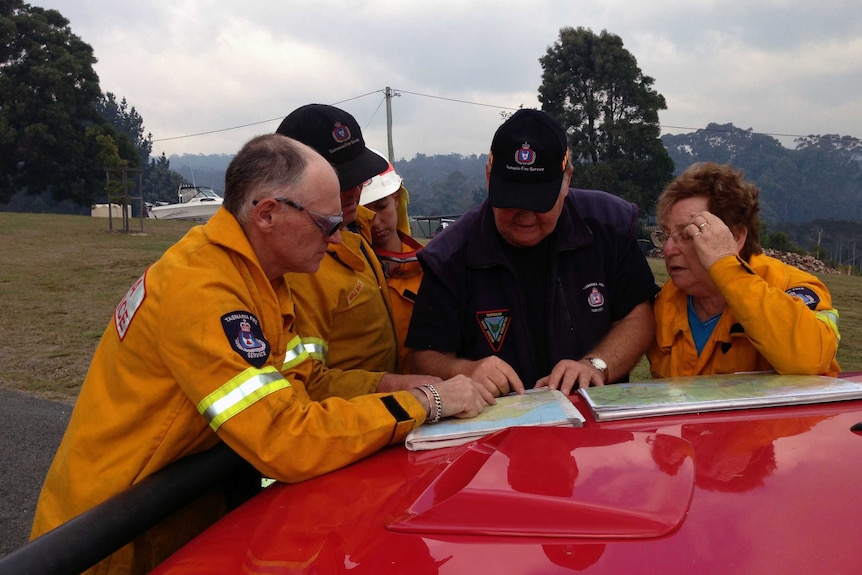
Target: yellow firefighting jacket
{"type": "Point", "coordinates": [201, 349]}
{"type": "Point", "coordinates": [777, 317]}
{"type": "Point", "coordinates": [403, 276]}
{"type": "Point", "coordinates": [343, 313]}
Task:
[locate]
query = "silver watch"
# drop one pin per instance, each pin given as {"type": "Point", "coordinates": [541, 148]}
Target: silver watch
{"type": "Point", "coordinates": [600, 365]}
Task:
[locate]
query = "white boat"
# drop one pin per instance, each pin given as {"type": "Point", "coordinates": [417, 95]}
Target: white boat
{"type": "Point", "coordinates": [195, 203]}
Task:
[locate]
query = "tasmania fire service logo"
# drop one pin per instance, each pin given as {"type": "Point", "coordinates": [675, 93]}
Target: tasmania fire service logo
{"type": "Point", "coordinates": [494, 325]}
{"type": "Point", "coordinates": [807, 295]}
{"type": "Point", "coordinates": [525, 156]}
{"type": "Point", "coordinates": [245, 336]}
{"type": "Point", "coordinates": [595, 296]}
{"type": "Point", "coordinates": [340, 133]}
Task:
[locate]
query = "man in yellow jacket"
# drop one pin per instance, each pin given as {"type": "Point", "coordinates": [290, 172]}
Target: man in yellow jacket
{"type": "Point", "coordinates": [344, 310]}
{"type": "Point", "coordinates": [203, 348]}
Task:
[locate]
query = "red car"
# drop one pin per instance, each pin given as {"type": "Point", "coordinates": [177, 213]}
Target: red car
{"type": "Point", "coordinates": [753, 491]}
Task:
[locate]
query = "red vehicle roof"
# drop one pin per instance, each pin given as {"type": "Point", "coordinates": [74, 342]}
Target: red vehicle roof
{"type": "Point", "coordinates": [756, 491]}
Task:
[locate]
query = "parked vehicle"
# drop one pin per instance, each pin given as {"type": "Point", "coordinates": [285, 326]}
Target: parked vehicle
{"type": "Point", "coordinates": [751, 491]}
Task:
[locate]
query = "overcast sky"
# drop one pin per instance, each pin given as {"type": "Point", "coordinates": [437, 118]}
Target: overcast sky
{"type": "Point", "coordinates": [204, 67]}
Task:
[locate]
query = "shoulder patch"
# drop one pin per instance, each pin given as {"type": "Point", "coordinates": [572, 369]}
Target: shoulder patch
{"type": "Point", "coordinates": [808, 296]}
{"type": "Point", "coordinates": [245, 336]}
{"type": "Point", "coordinates": [129, 305]}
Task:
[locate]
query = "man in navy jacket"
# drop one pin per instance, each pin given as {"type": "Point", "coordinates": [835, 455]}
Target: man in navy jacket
{"type": "Point", "coordinates": [541, 285]}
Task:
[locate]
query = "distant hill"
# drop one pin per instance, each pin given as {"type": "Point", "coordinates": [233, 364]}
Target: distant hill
{"type": "Point", "coordinates": [202, 170]}
{"type": "Point", "coordinates": [819, 180]}
{"type": "Point", "coordinates": [444, 184]}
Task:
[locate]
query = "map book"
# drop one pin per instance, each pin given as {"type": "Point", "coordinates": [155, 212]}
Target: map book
{"type": "Point", "coordinates": [714, 393]}
{"type": "Point", "coordinates": [543, 407]}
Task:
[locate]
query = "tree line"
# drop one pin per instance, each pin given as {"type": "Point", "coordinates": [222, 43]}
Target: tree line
{"type": "Point", "coordinates": [61, 137]}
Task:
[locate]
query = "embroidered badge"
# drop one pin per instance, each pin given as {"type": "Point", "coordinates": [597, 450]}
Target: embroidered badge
{"type": "Point", "coordinates": [245, 336]}
{"type": "Point", "coordinates": [340, 133]}
{"type": "Point", "coordinates": [525, 156]}
{"type": "Point", "coordinates": [808, 296]}
{"type": "Point", "coordinates": [494, 325]}
{"type": "Point", "coordinates": [595, 296]}
{"type": "Point", "coordinates": [129, 305]}
{"type": "Point", "coordinates": [354, 293]}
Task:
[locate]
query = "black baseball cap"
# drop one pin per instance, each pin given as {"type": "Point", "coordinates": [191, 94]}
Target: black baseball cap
{"type": "Point", "coordinates": [528, 159]}
{"type": "Point", "coordinates": [336, 136]}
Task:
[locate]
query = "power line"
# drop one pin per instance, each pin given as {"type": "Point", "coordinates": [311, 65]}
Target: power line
{"type": "Point", "coordinates": [457, 101]}
{"type": "Point", "coordinates": [251, 124]}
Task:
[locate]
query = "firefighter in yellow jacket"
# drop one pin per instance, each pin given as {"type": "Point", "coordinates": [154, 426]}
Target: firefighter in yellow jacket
{"type": "Point", "coordinates": [344, 310]}
{"type": "Point", "coordinates": [396, 249]}
{"type": "Point", "coordinates": [727, 307]}
{"type": "Point", "coordinates": [203, 348]}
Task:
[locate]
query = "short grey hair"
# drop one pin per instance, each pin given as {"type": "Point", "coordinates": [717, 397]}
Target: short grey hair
{"type": "Point", "coordinates": [262, 164]}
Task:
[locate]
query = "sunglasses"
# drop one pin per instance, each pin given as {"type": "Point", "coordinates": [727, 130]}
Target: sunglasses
{"type": "Point", "coordinates": [327, 225]}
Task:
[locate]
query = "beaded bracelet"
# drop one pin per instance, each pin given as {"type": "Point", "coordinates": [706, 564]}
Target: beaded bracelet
{"type": "Point", "coordinates": [438, 404]}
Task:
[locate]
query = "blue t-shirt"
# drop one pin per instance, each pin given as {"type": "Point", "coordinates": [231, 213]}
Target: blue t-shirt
{"type": "Point", "coordinates": [700, 330]}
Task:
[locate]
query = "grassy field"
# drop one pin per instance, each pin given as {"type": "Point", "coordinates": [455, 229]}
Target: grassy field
{"type": "Point", "coordinates": [61, 276]}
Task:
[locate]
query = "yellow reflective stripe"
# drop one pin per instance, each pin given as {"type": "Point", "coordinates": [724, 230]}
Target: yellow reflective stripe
{"type": "Point", "coordinates": [316, 348]}
{"type": "Point", "coordinates": [239, 393]}
{"type": "Point", "coordinates": [295, 355]}
{"type": "Point", "coordinates": [830, 318]}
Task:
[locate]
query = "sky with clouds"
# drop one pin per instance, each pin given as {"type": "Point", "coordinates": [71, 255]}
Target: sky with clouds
{"type": "Point", "coordinates": [207, 75]}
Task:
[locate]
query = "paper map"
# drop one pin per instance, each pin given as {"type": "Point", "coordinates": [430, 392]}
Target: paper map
{"type": "Point", "coordinates": [543, 407]}
{"type": "Point", "coordinates": [714, 392]}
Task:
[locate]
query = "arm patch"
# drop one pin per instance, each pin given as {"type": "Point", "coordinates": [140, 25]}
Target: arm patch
{"type": "Point", "coordinates": [807, 295]}
{"type": "Point", "coordinates": [395, 409]}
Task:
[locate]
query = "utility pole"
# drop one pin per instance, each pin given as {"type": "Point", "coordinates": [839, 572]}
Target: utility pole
{"type": "Point", "coordinates": [389, 94]}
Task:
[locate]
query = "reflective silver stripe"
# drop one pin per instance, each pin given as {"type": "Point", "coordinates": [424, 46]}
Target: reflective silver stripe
{"type": "Point", "coordinates": [316, 348]}
{"type": "Point", "coordinates": [295, 353]}
{"type": "Point", "coordinates": [239, 393]}
{"type": "Point", "coordinates": [830, 318]}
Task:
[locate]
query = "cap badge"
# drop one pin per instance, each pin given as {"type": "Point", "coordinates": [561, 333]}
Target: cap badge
{"type": "Point", "coordinates": [525, 156]}
{"type": "Point", "coordinates": [340, 133]}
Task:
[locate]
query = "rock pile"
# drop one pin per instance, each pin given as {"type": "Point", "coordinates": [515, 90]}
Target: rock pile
{"type": "Point", "coordinates": [806, 263]}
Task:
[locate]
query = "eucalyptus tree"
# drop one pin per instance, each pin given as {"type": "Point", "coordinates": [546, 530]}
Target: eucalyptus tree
{"type": "Point", "coordinates": [609, 108]}
{"type": "Point", "coordinates": [53, 142]}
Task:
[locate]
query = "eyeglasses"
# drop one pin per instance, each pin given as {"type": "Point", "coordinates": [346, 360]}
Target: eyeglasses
{"type": "Point", "coordinates": [659, 238]}
{"type": "Point", "coordinates": [327, 225]}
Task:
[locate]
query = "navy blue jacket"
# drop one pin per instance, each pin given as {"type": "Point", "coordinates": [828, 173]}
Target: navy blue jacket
{"type": "Point", "coordinates": [470, 301]}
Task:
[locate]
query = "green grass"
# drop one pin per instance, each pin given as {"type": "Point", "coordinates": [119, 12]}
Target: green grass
{"type": "Point", "coordinates": [62, 276]}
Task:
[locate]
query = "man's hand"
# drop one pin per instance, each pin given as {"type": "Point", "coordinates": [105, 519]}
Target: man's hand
{"type": "Point", "coordinates": [569, 374]}
{"type": "Point", "coordinates": [462, 397]}
{"type": "Point", "coordinates": [497, 376]}
{"type": "Point", "coordinates": [494, 374]}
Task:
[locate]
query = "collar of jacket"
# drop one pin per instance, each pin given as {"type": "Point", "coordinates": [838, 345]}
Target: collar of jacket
{"type": "Point", "coordinates": [669, 326]}
{"type": "Point", "coordinates": [484, 248]}
{"type": "Point", "coordinates": [224, 230]}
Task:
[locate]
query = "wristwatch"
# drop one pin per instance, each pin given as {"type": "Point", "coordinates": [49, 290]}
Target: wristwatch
{"type": "Point", "coordinates": [600, 365]}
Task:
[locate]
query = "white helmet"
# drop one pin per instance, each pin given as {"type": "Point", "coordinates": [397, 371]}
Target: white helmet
{"type": "Point", "coordinates": [384, 184]}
